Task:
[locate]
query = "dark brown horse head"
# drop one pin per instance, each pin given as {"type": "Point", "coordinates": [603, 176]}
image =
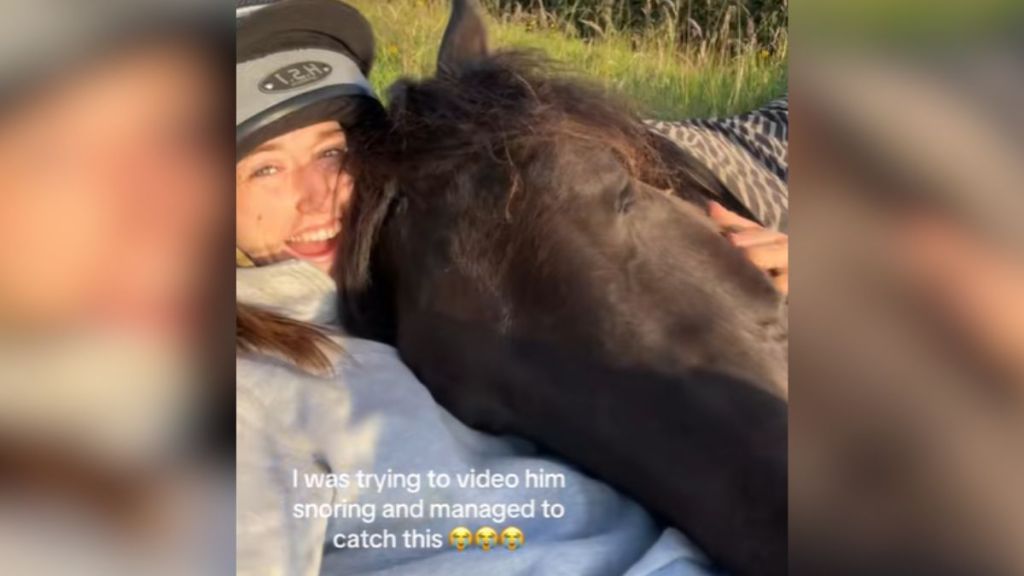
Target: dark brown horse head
{"type": "Point", "coordinates": [546, 267]}
{"type": "Point", "coordinates": [533, 205]}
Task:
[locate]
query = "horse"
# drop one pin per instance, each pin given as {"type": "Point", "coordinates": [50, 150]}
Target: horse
{"type": "Point", "coordinates": [545, 265]}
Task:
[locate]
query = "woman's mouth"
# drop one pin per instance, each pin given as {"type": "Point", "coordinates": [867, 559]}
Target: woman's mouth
{"type": "Point", "coordinates": [316, 243]}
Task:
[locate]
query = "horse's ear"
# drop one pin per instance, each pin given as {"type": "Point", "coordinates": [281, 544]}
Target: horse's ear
{"type": "Point", "coordinates": [465, 38]}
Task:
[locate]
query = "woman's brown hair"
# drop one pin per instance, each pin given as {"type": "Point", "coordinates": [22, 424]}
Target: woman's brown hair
{"type": "Point", "coordinates": [260, 331]}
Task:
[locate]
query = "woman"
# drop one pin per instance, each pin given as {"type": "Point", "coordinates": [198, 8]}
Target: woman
{"type": "Point", "coordinates": [305, 107]}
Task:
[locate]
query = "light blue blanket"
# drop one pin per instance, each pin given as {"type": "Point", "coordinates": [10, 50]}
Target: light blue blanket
{"type": "Point", "coordinates": [373, 416]}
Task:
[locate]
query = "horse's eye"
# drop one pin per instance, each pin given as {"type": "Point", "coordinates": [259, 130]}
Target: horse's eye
{"type": "Point", "coordinates": [401, 203]}
{"type": "Point", "coordinates": [625, 199]}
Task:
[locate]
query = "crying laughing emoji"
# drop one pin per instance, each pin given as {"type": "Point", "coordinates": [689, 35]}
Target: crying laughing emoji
{"type": "Point", "coordinates": [512, 538]}
{"type": "Point", "coordinates": [460, 537]}
{"type": "Point", "coordinates": [486, 538]}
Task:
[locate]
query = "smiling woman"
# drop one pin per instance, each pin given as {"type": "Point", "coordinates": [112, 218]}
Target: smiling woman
{"type": "Point", "coordinates": [291, 192]}
{"type": "Point", "coordinates": [302, 98]}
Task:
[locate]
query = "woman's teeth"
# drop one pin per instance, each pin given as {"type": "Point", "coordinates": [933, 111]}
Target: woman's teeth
{"type": "Point", "coordinates": [318, 235]}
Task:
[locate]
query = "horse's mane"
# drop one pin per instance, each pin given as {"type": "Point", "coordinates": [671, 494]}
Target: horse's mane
{"type": "Point", "coordinates": [508, 102]}
{"type": "Point", "coordinates": [506, 107]}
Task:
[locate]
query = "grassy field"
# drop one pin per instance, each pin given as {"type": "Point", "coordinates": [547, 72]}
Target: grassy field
{"type": "Point", "coordinates": [664, 82]}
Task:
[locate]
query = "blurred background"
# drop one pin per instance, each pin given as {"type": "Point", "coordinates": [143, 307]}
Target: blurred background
{"type": "Point", "coordinates": [116, 287]}
{"type": "Point", "coordinates": [907, 368]}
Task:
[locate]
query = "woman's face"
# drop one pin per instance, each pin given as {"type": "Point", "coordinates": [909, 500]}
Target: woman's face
{"type": "Point", "coordinates": [291, 193]}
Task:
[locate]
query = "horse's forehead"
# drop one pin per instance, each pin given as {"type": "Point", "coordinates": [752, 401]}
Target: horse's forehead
{"type": "Point", "coordinates": [583, 162]}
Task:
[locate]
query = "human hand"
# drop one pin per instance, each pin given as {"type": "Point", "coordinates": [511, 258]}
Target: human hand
{"type": "Point", "coordinates": [767, 249]}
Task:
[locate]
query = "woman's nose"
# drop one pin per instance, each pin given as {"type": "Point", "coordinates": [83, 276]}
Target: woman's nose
{"type": "Point", "coordinates": [316, 190]}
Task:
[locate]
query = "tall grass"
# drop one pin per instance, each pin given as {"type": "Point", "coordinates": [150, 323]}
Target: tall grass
{"type": "Point", "coordinates": [692, 24]}
{"type": "Point", "coordinates": [666, 78]}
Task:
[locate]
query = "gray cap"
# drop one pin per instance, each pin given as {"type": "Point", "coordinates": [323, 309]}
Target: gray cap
{"type": "Point", "coordinates": [298, 62]}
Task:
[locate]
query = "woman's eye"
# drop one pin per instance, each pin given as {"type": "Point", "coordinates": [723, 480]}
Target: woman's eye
{"type": "Point", "coordinates": [333, 153]}
{"type": "Point", "coordinates": [265, 171]}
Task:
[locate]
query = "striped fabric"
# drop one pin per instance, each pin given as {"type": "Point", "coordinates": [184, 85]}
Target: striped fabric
{"type": "Point", "coordinates": [749, 153]}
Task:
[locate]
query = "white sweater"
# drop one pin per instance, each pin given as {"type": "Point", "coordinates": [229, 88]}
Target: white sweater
{"type": "Point", "coordinates": [374, 417]}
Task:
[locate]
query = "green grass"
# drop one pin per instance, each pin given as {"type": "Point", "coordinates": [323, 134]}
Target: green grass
{"type": "Point", "coordinates": [662, 81]}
